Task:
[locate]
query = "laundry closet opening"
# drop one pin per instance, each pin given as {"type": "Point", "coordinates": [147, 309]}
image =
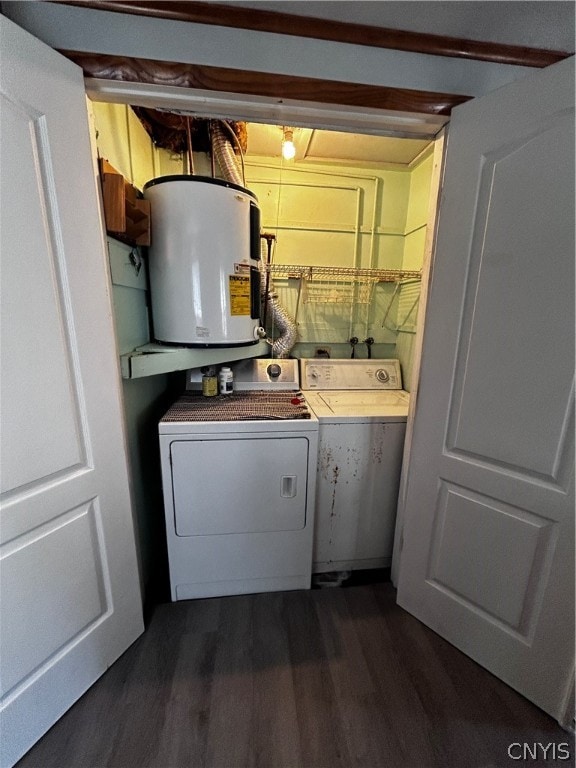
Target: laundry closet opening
{"type": "Point", "coordinates": [349, 224]}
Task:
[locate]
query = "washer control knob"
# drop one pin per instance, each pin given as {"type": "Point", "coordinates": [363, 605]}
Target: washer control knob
{"type": "Point", "coordinates": [274, 370]}
{"type": "Point", "coordinates": [382, 375]}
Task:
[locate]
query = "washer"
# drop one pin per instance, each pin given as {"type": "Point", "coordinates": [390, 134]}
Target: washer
{"type": "Point", "coordinates": [239, 475]}
{"type": "Point", "coordinates": [362, 411]}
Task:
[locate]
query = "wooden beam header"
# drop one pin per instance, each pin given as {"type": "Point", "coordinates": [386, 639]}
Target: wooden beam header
{"type": "Point", "coordinates": [278, 87]}
{"type": "Point", "coordinates": [324, 29]}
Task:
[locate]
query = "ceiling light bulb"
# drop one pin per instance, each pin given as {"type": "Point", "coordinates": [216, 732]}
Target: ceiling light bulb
{"type": "Point", "coordinates": [288, 148]}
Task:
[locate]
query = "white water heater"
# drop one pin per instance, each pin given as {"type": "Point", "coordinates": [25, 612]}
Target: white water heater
{"type": "Point", "coordinates": [203, 262]}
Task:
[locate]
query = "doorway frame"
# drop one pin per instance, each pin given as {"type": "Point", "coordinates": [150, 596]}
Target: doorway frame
{"type": "Point", "coordinates": [316, 115]}
{"type": "Point", "coordinates": [240, 106]}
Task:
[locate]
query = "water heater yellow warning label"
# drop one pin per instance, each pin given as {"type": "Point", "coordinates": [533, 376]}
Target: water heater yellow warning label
{"type": "Point", "coordinates": [240, 294]}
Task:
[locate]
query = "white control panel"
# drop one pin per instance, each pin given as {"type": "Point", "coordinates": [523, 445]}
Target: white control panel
{"type": "Point", "coordinates": [266, 373]}
{"type": "Point", "coordinates": [350, 374]}
{"type": "Point", "coordinates": [254, 374]}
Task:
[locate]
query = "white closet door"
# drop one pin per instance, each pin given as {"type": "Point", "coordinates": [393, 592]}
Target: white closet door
{"type": "Point", "coordinates": [70, 592]}
{"type": "Point", "coordinates": [487, 555]}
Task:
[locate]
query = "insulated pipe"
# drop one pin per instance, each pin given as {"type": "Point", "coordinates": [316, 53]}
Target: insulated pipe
{"type": "Point", "coordinates": [281, 319]}
{"type": "Point", "coordinates": [227, 161]}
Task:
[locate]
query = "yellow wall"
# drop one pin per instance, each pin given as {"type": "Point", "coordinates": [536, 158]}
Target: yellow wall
{"type": "Point", "coordinates": [417, 213]}
{"type": "Point", "coordinates": [326, 214]}
{"type": "Point", "coordinates": [333, 215]}
{"type": "Point", "coordinates": [122, 140]}
{"type": "Point", "coordinates": [322, 214]}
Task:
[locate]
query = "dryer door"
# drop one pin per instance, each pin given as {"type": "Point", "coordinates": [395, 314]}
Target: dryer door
{"type": "Point", "coordinates": [239, 485]}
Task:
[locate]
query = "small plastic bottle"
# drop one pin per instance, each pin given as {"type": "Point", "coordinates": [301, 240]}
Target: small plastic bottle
{"type": "Point", "coordinates": [209, 382]}
{"type": "Point", "coordinates": [226, 381]}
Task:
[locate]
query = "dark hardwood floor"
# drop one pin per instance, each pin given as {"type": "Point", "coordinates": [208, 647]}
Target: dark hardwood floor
{"type": "Point", "coordinates": [339, 678]}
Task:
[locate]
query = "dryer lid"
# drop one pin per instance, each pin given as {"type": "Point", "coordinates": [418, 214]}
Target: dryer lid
{"type": "Point", "coordinates": [359, 405]}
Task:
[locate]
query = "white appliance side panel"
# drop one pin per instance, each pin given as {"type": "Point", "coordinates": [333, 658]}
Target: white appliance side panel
{"type": "Point", "coordinates": [239, 486]}
{"type": "Point", "coordinates": [357, 492]}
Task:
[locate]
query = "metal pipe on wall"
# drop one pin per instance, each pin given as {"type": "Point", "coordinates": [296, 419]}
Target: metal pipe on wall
{"type": "Point", "coordinates": [336, 174]}
{"type": "Point", "coordinates": [356, 231]}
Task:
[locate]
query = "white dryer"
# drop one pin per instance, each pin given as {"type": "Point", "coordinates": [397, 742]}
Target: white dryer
{"type": "Point", "coordinates": [239, 475]}
{"type": "Point", "coordinates": [362, 411]}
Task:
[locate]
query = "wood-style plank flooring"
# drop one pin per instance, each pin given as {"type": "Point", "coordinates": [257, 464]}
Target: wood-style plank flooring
{"type": "Point", "coordinates": [338, 677]}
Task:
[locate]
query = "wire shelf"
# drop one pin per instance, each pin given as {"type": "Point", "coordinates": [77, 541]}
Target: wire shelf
{"type": "Point", "coordinates": [351, 274]}
{"type": "Point", "coordinates": [338, 293]}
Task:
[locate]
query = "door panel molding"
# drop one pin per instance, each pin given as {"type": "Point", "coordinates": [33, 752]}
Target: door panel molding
{"type": "Point", "coordinates": [58, 254]}
{"type": "Point", "coordinates": [35, 315]}
{"type": "Point", "coordinates": [44, 502]}
{"type": "Point", "coordinates": [464, 565]}
{"type": "Point", "coordinates": [558, 479]}
{"type": "Point", "coordinates": [80, 606]}
{"type": "Point", "coordinates": [498, 398]}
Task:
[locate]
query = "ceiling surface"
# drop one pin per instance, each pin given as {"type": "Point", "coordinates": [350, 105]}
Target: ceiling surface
{"type": "Point", "coordinates": [535, 23]}
{"type": "Point", "coordinates": [315, 146]}
{"type": "Point", "coordinates": [532, 23]}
